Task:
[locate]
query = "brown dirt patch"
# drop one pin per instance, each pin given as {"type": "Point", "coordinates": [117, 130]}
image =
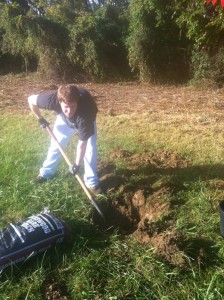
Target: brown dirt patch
{"type": "Point", "coordinates": [122, 98]}
{"type": "Point", "coordinates": [141, 211]}
{"type": "Point", "coordinates": [54, 290]}
{"type": "Point", "coordinates": [149, 221]}
{"type": "Point", "coordinates": [161, 159]}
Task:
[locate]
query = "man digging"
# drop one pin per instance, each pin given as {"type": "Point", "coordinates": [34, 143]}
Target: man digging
{"type": "Point", "coordinates": [76, 112]}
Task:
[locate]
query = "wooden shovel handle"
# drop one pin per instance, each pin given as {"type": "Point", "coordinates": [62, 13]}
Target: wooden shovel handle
{"type": "Point", "coordinates": [69, 163]}
{"type": "Point", "coordinates": [77, 176]}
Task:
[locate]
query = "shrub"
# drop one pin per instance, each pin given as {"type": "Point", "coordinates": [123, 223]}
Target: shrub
{"type": "Point", "coordinates": [204, 28]}
{"type": "Point", "coordinates": [208, 66]}
{"type": "Point", "coordinates": [34, 38]}
{"type": "Point", "coordinates": [97, 43]}
{"type": "Point", "coordinates": [156, 47]}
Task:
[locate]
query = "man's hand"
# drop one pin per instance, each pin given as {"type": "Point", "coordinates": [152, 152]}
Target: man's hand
{"type": "Point", "coordinates": [43, 123]}
{"type": "Point", "coordinates": [74, 169]}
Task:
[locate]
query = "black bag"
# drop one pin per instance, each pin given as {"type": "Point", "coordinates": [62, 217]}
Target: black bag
{"type": "Point", "coordinates": [29, 237]}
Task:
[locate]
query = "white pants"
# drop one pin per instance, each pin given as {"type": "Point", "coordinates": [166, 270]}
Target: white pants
{"type": "Point", "coordinates": [63, 133]}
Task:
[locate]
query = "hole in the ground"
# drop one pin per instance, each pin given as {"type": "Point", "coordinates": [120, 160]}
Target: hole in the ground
{"type": "Point", "coordinates": [144, 210]}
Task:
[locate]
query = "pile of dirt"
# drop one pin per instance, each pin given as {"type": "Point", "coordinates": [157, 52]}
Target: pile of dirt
{"type": "Point", "coordinates": [149, 221]}
{"type": "Point", "coordinates": [141, 211]}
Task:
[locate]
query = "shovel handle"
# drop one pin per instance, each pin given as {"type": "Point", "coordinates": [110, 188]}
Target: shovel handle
{"type": "Point", "coordinates": [68, 161]}
{"type": "Point", "coordinates": [77, 176]}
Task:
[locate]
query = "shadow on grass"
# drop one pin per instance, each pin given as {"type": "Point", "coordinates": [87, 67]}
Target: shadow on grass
{"type": "Point", "coordinates": [202, 252]}
{"type": "Point", "coordinates": [176, 178]}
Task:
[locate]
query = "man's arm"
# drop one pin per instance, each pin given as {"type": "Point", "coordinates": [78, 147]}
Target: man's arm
{"type": "Point", "coordinates": [32, 100]}
{"type": "Point", "coordinates": [80, 153]}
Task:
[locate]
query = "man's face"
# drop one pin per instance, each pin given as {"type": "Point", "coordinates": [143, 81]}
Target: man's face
{"type": "Point", "coordinates": [69, 109]}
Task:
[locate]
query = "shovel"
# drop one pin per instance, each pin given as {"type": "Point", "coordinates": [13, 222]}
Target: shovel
{"type": "Point", "coordinates": [77, 176]}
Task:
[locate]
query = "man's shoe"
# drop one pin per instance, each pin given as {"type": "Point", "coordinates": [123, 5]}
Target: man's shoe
{"type": "Point", "coordinates": [39, 179]}
{"type": "Point", "coordinates": [96, 190]}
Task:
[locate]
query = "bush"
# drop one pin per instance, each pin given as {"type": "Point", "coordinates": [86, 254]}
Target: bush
{"type": "Point", "coordinates": [156, 47]}
{"type": "Point", "coordinates": [35, 39]}
{"type": "Point", "coordinates": [204, 28]}
{"type": "Point", "coordinates": [97, 45]}
{"type": "Point", "coordinates": [52, 44]}
{"type": "Point", "coordinates": [208, 66]}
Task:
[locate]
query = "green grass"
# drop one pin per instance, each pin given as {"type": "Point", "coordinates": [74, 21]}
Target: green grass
{"type": "Point", "coordinates": [110, 265]}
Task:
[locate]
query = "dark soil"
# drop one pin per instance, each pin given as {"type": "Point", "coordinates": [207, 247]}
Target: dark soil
{"type": "Point", "coordinates": [142, 211]}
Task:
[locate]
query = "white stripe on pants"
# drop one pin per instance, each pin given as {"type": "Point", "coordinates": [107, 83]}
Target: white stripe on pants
{"type": "Point", "coordinates": [63, 134]}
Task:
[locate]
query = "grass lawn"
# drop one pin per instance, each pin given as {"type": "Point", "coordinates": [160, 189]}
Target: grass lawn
{"type": "Point", "coordinates": [178, 159]}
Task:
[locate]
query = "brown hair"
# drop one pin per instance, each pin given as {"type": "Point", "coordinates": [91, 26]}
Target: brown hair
{"type": "Point", "coordinates": [68, 93]}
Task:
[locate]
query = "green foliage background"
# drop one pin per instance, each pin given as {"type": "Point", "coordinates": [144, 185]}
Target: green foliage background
{"type": "Point", "coordinates": [147, 40]}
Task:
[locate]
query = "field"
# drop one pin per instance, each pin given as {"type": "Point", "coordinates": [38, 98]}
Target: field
{"type": "Point", "coordinates": [161, 166]}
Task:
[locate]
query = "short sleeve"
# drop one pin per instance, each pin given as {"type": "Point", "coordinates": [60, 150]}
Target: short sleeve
{"type": "Point", "coordinates": [85, 129]}
{"type": "Point", "coordinates": [48, 101]}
